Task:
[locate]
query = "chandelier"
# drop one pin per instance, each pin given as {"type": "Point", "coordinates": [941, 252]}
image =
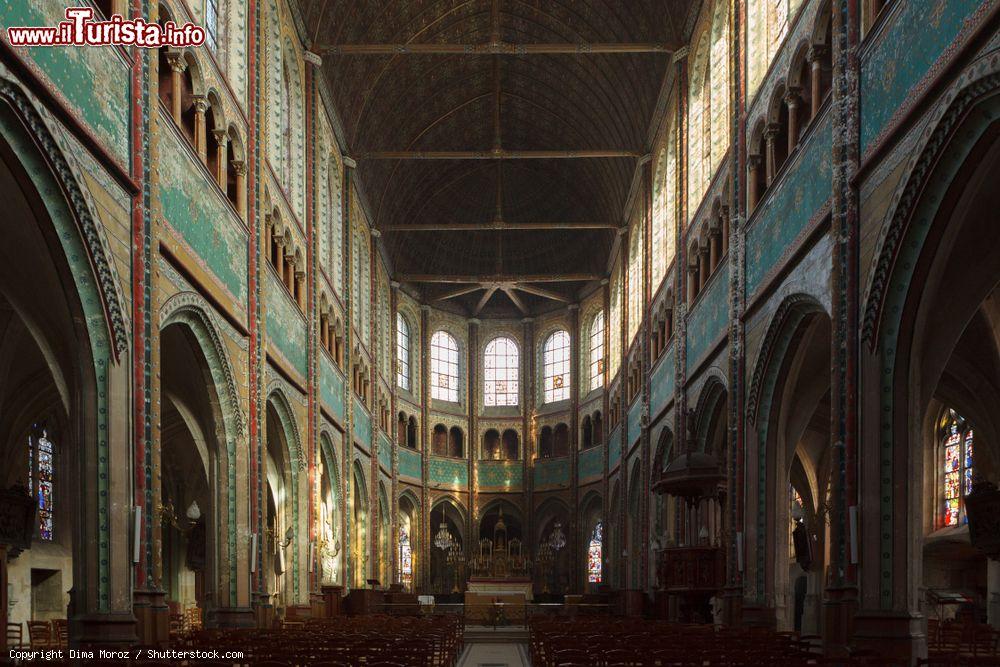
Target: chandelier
{"type": "Point", "coordinates": [443, 539]}
{"type": "Point", "coordinates": [557, 540]}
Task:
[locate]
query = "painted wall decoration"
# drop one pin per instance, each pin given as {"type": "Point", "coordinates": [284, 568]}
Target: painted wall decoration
{"type": "Point", "coordinates": [634, 423]}
{"type": "Point", "coordinates": [500, 476]}
{"type": "Point", "coordinates": [661, 383]}
{"type": "Point", "coordinates": [384, 451]}
{"type": "Point", "coordinates": [409, 463]}
{"type": "Point", "coordinates": [286, 327]}
{"type": "Point", "coordinates": [591, 464]}
{"type": "Point", "coordinates": [331, 384]}
{"type": "Point", "coordinates": [94, 81]}
{"type": "Point", "coordinates": [916, 36]}
{"type": "Point", "coordinates": [551, 474]}
{"type": "Point", "coordinates": [710, 317]}
{"type": "Point", "coordinates": [362, 424]}
{"type": "Point", "coordinates": [614, 447]}
{"type": "Point", "coordinates": [787, 212]}
{"type": "Point", "coordinates": [194, 209]}
{"type": "Point", "coordinates": [448, 473]}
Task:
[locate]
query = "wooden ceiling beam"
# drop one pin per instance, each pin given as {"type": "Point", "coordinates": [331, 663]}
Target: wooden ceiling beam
{"type": "Point", "coordinates": [499, 280]}
{"type": "Point", "coordinates": [544, 293]}
{"type": "Point", "coordinates": [501, 154]}
{"type": "Point", "coordinates": [497, 226]}
{"type": "Point", "coordinates": [512, 295]}
{"type": "Point", "coordinates": [498, 48]}
{"type": "Point", "coordinates": [459, 292]}
{"type": "Point", "coordinates": [487, 295]}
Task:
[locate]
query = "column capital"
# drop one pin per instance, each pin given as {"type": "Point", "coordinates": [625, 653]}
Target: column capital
{"type": "Point", "coordinates": [793, 96]}
{"type": "Point", "coordinates": [313, 59]}
{"type": "Point", "coordinates": [754, 160]}
{"type": "Point", "coordinates": [375, 233]}
{"type": "Point", "coordinates": [771, 131]}
{"type": "Point", "coordinates": [200, 103]}
{"type": "Point", "coordinates": [221, 137]}
{"type": "Point", "coordinates": [349, 162]}
{"type": "Point", "coordinates": [816, 52]}
{"type": "Point", "coordinates": [240, 167]}
{"type": "Point", "coordinates": [176, 61]}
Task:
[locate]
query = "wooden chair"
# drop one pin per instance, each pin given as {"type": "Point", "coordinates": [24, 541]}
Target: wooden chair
{"type": "Point", "coordinates": [60, 633]}
{"type": "Point", "coordinates": [39, 634]}
{"type": "Point", "coordinates": [15, 635]}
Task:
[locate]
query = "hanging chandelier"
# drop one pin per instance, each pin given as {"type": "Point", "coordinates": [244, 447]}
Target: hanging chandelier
{"type": "Point", "coordinates": [557, 540]}
{"type": "Point", "coordinates": [443, 539]}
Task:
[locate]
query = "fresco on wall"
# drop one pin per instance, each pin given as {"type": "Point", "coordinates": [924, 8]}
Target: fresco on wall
{"type": "Point", "coordinates": [803, 191]}
{"type": "Point", "coordinates": [448, 473]}
{"type": "Point", "coordinates": [384, 452]}
{"type": "Point", "coordinates": [614, 447]}
{"type": "Point", "coordinates": [661, 381]}
{"type": "Point", "coordinates": [500, 476]}
{"type": "Point", "coordinates": [362, 424]}
{"type": "Point", "coordinates": [331, 386]}
{"type": "Point", "coordinates": [918, 34]}
{"type": "Point", "coordinates": [286, 327]}
{"type": "Point", "coordinates": [409, 463]}
{"type": "Point", "coordinates": [193, 207]}
{"type": "Point", "coordinates": [710, 317]}
{"type": "Point", "coordinates": [551, 474]}
{"type": "Point", "coordinates": [591, 464]}
{"type": "Point", "coordinates": [634, 423]}
{"type": "Point", "coordinates": [94, 81]}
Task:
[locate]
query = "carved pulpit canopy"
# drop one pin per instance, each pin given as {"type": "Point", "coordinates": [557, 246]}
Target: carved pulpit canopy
{"type": "Point", "coordinates": [983, 509]}
{"type": "Point", "coordinates": [692, 475]}
{"type": "Point", "coordinates": [17, 519]}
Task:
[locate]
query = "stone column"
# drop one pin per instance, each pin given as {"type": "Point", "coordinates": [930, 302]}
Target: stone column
{"type": "Point", "coordinates": [753, 181]}
{"type": "Point", "coordinates": [815, 58]}
{"type": "Point", "coordinates": [177, 68]}
{"type": "Point", "coordinates": [240, 168]}
{"type": "Point", "coordinates": [792, 101]}
{"type": "Point", "coordinates": [221, 155]}
{"type": "Point", "coordinates": [771, 166]}
{"type": "Point", "coordinates": [200, 139]}
{"type": "Point", "coordinates": [692, 285]}
{"type": "Point", "coordinates": [704, 270]}
{"type": "Point", "coordinates": [714, 248]}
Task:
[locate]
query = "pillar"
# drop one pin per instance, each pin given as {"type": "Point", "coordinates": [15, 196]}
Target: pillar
{"type": "Point", "coordinates": [240, 168]}
{"type": "Point", "coordinates": [771, 165]}
{"type": "Point", "coordinates": [792, 101]}
{"type": "Point", "coordinates": [692, 283]}
{"type": "Point", "coordinates": [177, 68]}
{"type": "Point", "coordinates": [200, 138]}
{"type": "Point", "coordinates": [714, 248]}
{"type": "Point", "coordinates": [703, 267]}
{"type": "Point", "coordinates": [753, 181]}
{"type": "Point", "coordinates": [815, 58]}
{"type": "Point", "coordinates": [221, 138]}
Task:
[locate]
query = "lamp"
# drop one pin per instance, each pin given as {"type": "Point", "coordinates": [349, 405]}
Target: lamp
{"type": "Point", "coordinates": [557, 540]}
{"type": "Point", "coordinates": [443, 540]}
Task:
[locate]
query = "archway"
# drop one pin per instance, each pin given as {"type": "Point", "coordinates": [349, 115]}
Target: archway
{"type": "Point", "coordinates": [330, 558]}
{"type": "Point", "coordinates": [281, 553]}
{"type": "Point", "coordinates": [591, 544]}
{"type": "Point", "coordinates": [447, 528]}
{"type": "Point", "coordinates": [552, 537]}
{"type": "Point", "coordinates": [359, 532]}
{"type": "Point", "coordinates": [408, 549]}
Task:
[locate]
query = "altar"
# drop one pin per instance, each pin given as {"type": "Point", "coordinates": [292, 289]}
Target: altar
{"type": "Point", "coordinates": [502, 587]}
{"type": "Point", "coordinates": [500, 567]}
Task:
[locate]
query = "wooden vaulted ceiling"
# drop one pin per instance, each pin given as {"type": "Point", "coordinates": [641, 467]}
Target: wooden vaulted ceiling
{"type": "Point", "coordinates": [496, 140]}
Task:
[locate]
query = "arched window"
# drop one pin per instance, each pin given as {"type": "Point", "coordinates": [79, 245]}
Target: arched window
{"type": "Point", "coordinates": [286, 129]}
{"type": "Point", "coordinates": [699, 124]}
{"type": "Point", "coordinates": [594, 554]}
{"type": "Point", "coordinates": [635, 270]}
{"type": "Point", "coordinates": [405, 559]}
{"type": "Point", "coordinates": [212, 24]}
{"type": "Point", "coordinates": [402, 352]}
{"type": "Point", "coordinates": [41, 474]}
{"type": "Point", "coordinates": [615, 323]}
{"type": "Point", "coordinates": [555, 367]}
{"type": "Point", "coordinates": [501, 376]}
{"type": "Point", "coordinates": [444, 367]}
{"type": "Point", "coordinates": [956, 452]}
{"type": "Point", "coordinates": [597, 351]}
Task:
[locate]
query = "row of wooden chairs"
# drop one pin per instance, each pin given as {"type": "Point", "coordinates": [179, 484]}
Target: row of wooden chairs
{"type": "Point", "coordinates": [42, 635]}
{"type": "Point", "coordinates": [961, 638]}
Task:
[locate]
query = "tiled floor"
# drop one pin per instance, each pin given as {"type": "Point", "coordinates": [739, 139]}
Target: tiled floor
{"type": "Point", "coordinates": [495, 655]}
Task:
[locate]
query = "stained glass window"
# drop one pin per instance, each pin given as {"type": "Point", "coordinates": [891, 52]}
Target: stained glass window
{"type": "Point", "coordinates": [597, 351]}
{"type": "Point", "coordinates": [636, 298]}
{"type": "Point", "coordinates": [41, 474]}
{"type": "Point", "coordinates": [555, 367]}
{"type": "Point", "coordinates": [794, 510]}
{"type": "Point", "coordinates": [615, 323]}
{"type": "Point", "coordinates": [212, 23]}
{"type": "Point", "coordinates": [405, 559]}
{"type": "Point", "coordinates": [501, 376]}
{"type": "Point", "coordinates": [402, 352]}
{"type": "Point", "coordinates": [594, 550]}
{"type": "Point", "coordinates": [444, 367]}
{"type": "Point", "coordinates": [957, 468]}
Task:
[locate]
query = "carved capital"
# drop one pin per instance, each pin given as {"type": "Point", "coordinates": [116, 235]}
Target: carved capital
{"type": "Point", "coordinates": [793, 96]}
{"type": "Point", "coordinates": [816, 53]}
{"type": "Point", "coordinates": [772, 131]}
{"type": "Point", "coordinates": [200, 104]}
{"type": "Point", "coordinates": [240, 167]}
{"type": "Point", "coordinates": [754, 161]}
{"type": "Point", "coordinates": [176, 61]}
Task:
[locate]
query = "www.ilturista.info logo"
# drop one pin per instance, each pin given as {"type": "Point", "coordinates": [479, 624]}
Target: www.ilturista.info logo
{"type": "Point", "coordinates": [79, 29]}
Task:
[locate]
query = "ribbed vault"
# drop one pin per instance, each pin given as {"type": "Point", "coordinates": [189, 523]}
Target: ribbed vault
{"type": "Point", "coordinates": [481, 96]}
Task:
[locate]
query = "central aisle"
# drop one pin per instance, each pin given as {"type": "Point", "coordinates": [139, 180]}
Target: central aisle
{"type": "Point", "coordinates": [495, 655]}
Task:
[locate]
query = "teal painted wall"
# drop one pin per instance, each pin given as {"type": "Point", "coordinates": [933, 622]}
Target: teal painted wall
{"type": "Point", "coordinates": [802, 192]}
{"type": "Point", "coordinates": [331, 387]}
{"type": "Point", "coordinates": [385, 452]}
{"type": "Point", "coordinates": [500, 476]}
{"type": "Point", "coordinates": [710, 317]}
{"type": "Point", "coordinates": [591, 464]}
{"type": "Point", "coordinates": [662, 380]}
{"type": "Point", "coordinates": [409, 463]}
{"type": "Point", "coordinates": [286, 326]}
{"type": "Point", "coordinates": [450, 473]}
{"type": "Point", "coordinates": [551, 474]}
{"type": "Point", "coordinates": [94, 81]}
{"type": "Point", "coordinates": [362, 424]}
{"type": "Point", "coordinates": [193, 206]}
{"type": "Point", "coordinates": [614, 447]}
{"type": "Point", "coordinates": [634, 422]}
{"type": "Point", "coordinates": [918, 33]}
